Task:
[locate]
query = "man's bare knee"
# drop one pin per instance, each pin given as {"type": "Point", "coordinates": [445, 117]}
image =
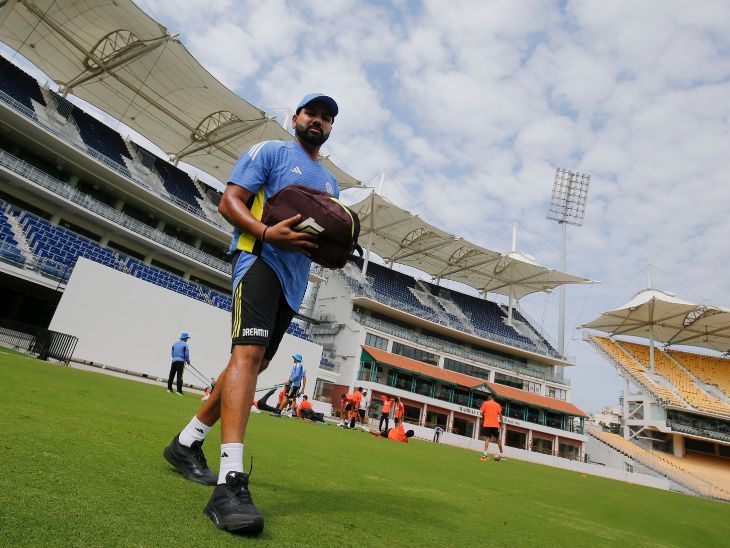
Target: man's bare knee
{"type": "Point", "coordinates": [247, 356]}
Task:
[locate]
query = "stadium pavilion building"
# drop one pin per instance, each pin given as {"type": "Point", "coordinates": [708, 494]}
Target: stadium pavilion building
{"type": "Point", "coordinates": [102, 240]}
{"type": "Point", "coordinates": [442, 351]}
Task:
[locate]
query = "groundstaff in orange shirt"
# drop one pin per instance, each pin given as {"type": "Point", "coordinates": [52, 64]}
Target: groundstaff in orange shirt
{"type": "Point", "coordinates": [396, 434]}
{"type": "Point", "coordinates": [355, 406]}
{"type": "Point", "coordinates": [492, 413]}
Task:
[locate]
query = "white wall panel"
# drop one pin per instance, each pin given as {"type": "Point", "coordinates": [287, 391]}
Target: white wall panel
{"type": "Point", "coordinates": [131, 324]}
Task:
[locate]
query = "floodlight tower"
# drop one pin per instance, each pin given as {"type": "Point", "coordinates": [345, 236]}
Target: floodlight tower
{"type": "Point", "coordinates": [567, 207]}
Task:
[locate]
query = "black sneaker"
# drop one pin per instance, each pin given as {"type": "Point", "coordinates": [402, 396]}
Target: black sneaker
{"type": "Point", "coordinates": [231, 507]}
{"type": "Point", "coordinates": [190, 461]}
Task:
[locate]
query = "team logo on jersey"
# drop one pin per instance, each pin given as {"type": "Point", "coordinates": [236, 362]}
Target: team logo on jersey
{"type": "Point", "coordinates": [296, 170]}
{"type": "Point", "coordinates": [330, 190]}
{"type": "Point", "coordinates": [310, 226]}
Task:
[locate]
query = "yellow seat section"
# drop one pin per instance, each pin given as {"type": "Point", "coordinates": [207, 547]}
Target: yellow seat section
{"type": "Point", "coordinates": [637, 370]}
{"type": "Point", "coordinates": [710, 369]}
{"type": "Point", "coordinates": [706, 475]}
{"type": "Point", "coordinates": [680, 379]}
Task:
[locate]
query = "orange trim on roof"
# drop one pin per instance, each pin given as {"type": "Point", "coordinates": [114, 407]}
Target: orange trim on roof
{"type": "Point", "coordinates": [401, 362]}
{"type": "Point", "coordinates": [511, 393]}
{"type": "Point", "coordinates": [469, 382]}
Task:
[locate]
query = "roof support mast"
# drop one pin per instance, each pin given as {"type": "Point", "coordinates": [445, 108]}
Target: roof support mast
{"type": "Point", "coordinates": [372, 228]}
{"type": "Point", "coordinates": [650, 283]}
{"type": "Point", "coordinates": [512, 295]}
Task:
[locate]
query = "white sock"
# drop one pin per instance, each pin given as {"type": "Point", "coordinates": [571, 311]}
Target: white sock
{"type": "Point", "coordinates": [194, 431]}
{"type": "Point", "coordinates": [231, 460]}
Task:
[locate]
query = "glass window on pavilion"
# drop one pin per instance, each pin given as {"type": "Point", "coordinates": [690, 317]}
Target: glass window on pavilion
{"type": "Point", "coordinates": [436, 418]}
{"type": "Point", "coordinates": [515, 410]}
{"type": "Point", "coordinates": [461, 397]}
{"type": "Point", "coordinates": [424, 387]}
{"type": "Point", "coordinates": [463, 427]}
{"type": "Point", "coordinates": [533, 415]}
{"type": "Point", "coordinates": [368, 371]}
{"type": "Point", "coordinates": [404, 381]}
{"type": "Point", "coordinates": [443, 392]}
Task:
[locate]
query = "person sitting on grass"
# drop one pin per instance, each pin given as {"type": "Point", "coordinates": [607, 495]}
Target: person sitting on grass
{"type": "Point", "coordinates": [398, 433]}
{"type": "Point", "coordinates": [306, 405]}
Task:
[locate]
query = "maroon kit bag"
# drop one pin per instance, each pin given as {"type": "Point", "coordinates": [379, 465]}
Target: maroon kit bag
{"type": "Point", "coordinates": [336, 226]}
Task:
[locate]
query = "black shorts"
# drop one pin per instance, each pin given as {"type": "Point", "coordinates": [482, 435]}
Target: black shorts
{"type": "Point", "coordinates": [260, 314]}
{"type": "Point", "coordinates": [490, 431]}
{"type": "Point", "coordinates": [361, 413]}
{"type": "Point", "coordinates": [349, 407]}
{"type": "Point", "coordinates": [293, 392]}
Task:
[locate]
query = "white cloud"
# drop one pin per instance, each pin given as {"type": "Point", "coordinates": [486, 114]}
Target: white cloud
{"type": "Point", "coordinates": [472, 104]}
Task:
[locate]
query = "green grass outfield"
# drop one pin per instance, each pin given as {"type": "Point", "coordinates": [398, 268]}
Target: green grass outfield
{"type": "Point", "coordinates": [81, 464]}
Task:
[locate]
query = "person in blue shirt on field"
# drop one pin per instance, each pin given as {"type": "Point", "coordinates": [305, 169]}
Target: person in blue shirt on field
{"type": "Point", "coordinates": [297, 382]}
{"type": "Point", "coordinates": [270, 269]}
{"type": "Point", "coordinates": [180, 356]}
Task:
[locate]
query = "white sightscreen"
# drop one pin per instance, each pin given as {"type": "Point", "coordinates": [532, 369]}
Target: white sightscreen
{"type": "Point", "coordinates": [128, 323]}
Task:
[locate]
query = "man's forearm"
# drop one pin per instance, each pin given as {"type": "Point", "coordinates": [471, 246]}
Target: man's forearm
{"type": "Point", "coordinates": [234, 210]}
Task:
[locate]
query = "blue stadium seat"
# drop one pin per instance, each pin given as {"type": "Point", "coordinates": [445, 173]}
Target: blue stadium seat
{"type": "Point", "coordinates": [9, 251]}
{"type": "Point", "coordinates": [100, 137]}
{"type": "Point", "coordinates": [486, 317]}
{"type": "Point", "coordinates": [178, 183]}
{"type": "Point", "coordinates": [20, 86]}
{"type": "Point", "coordinates": [61, 248]}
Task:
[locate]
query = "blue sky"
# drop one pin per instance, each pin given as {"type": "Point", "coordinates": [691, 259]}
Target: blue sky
{"type": "Point", "coordinates": [471, 105]}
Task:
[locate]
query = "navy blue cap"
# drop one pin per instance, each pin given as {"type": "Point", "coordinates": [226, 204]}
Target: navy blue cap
{"type": "Point", "coordinates": [184, 336]}
{"type": "Point", "coordinates": [326, 99]}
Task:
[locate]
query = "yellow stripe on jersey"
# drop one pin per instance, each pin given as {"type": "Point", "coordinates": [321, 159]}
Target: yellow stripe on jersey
{"type": "Point", "coordinates": [237, 310]}
{"type": "Point", "coordinates": [246, 241]}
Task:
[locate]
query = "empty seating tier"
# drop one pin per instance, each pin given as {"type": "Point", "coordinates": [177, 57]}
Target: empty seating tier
{"type": "Point", "coordinates": [20, 86]}
{"type": "Point", "coordinates": [101, 138]}
{"type": "Point", "coordinates": [709, 369]}
{"type": "Point", "coordinates": [637, 371]}
{"type": "Point", "coordinates": [178, 183]}
{"type": "Point", "coordinates": [705, 475]}
{"type": "Point", "coordinates": [684, 383]}
{"type": "Point", "coordinates": [8, 245]}
{"type": "Point", "coordinates": [57, 250]}
{"type": "Point", "coordinates": [482, 317]}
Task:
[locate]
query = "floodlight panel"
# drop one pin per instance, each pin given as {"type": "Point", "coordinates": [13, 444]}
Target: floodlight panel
{"type": "Point", "coordinates": [570, 192]}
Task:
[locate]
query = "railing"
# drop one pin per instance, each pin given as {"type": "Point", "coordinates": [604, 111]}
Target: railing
{"type": "Point", "coordinates": [108, 162]}
{"type": "Point", "coordinates": [695, 431]}
{"type": "Point", "coordinates": [39, 265]}
{"type": "Point", "coordinates": [24, 169]}
{"type": "Point", "coordinates": [38, 340]}
{"type": "Point", "coordinates": [456, 350]}
{"type": "Point", "coordinates": [433, 317]}
{"type": "Point", "coordinates": [62, 271]}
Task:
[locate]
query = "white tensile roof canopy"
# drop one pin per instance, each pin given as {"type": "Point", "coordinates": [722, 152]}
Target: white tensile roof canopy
{"type": "Point", "coordinates": [399, 236]}
{"type": "Point", "coordinates": [122, 61]}
{"type": "Point", "coordinates": [660, 316]}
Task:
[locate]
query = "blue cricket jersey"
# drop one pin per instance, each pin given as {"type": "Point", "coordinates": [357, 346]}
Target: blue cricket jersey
{"type": "Point", "coordinates": [264, 169]}
{"type": "Point", "coordinates": [297, 374]}
{"type": "Point", "coordinates": [180, 352]}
